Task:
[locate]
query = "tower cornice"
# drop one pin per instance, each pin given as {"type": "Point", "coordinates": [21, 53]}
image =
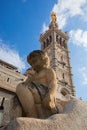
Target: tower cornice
{"type": "Point", "coordinates": [63, 34]}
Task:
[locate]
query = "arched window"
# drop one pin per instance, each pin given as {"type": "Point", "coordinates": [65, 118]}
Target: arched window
{"type": "Point", "coordinates": [63, 43]}
{"type": "Point", "coordinates": [50, 38]}
{"type": "Point", "coordinates": [44, 45]}
{"type": "Point", "coordinates": [47, 41]}
{"type": "Point", "coordinates": [57, 38]}
{"type": "Point", "coordinates": [63, 76]}
{"type": "Point", "coordinates": [7, 79]}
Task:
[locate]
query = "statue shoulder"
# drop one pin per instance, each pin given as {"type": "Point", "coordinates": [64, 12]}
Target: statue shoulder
{"type": "Point", "coordinates": [51, 73]}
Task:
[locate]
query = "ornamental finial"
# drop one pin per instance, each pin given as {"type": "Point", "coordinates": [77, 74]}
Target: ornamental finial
{"type": "Point", "coordinates": [53, 17]}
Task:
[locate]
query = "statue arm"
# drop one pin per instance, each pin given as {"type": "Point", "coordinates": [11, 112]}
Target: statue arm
{"type": "Point", "coordinates": [30, 78]}
{"type": "Point", "coordinates": [52, 82]}
{"type": "Point", "coordinates": [49, 99]}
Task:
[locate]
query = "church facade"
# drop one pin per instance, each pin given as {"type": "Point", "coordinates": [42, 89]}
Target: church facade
{"type": "Point", "coordinates": [9, 78]}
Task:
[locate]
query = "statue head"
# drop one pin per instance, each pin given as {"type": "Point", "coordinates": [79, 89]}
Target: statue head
{"type": "Point", "coordinates": [38, 59]}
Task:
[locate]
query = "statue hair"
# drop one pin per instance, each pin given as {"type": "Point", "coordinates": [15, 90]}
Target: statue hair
{"type": "Point", "coordinates": [39, 53]}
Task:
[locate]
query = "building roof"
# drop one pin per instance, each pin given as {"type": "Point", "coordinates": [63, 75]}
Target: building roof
{"type": "Point", "coordinates": [8, 65]}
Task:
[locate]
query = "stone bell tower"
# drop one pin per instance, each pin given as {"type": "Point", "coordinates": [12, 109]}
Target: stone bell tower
{"type": "Point", "coordinates": [55, 43]}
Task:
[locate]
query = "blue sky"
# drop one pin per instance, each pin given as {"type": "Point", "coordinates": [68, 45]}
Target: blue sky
{"type": "Point", "coordinates": [22, 22]}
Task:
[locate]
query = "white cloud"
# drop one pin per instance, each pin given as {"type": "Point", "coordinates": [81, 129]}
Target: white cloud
{"type": "Point", "coordinates": [70, 8]}
{"type": "Point", "coordinates": [44, 28]}
{"type": "Point", "coordinates": [79, 37]}
{"type": "Point", "coordinates": [11, 56]}
{"type": "Point", "coordinates": [83, 73]}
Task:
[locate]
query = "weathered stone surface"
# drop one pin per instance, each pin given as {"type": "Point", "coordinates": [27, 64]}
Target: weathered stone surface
{"type": "Point", "coordinates": [74, 117]}
{"type": "Point", "coordinates": [12, 108]}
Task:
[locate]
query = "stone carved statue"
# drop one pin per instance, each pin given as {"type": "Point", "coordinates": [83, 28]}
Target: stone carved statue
{"type": "Point", "coordinates": [37, 93]}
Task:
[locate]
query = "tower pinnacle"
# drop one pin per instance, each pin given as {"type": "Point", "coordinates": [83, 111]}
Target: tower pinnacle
{"type": "Point", "coordinates": [53, 17]}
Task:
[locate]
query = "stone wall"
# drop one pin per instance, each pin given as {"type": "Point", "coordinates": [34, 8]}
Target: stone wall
{"type": "Point", "coordinates": [12, 107]}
